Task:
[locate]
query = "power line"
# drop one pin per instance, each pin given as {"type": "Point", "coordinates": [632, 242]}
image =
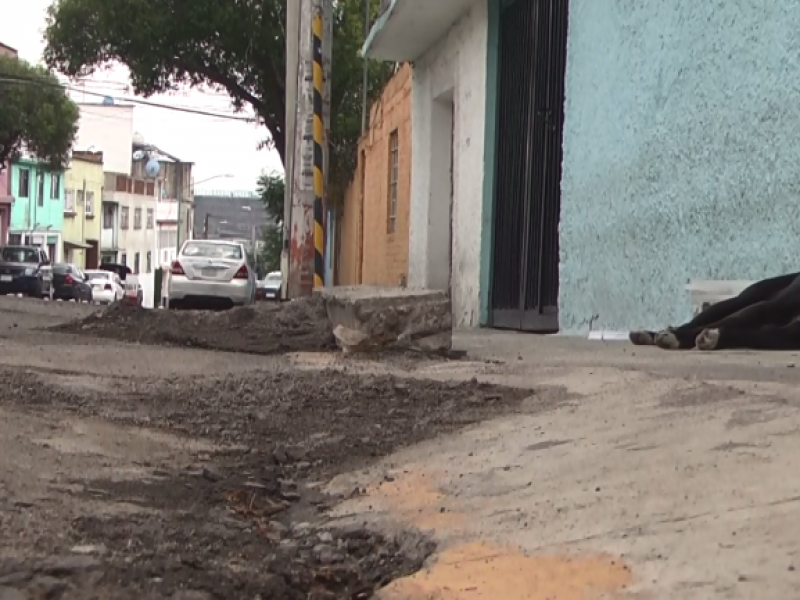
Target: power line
{"type": "Point", "coordinates": [77, 90]}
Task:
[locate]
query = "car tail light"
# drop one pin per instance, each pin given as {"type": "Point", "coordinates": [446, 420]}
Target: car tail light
{"type": "Point", "coordinates": [242, 273]}
{"type": "Point", "coordinates": [108, 287]}
{"type": "Point", "coordinates": [177, 269]}
{"type": "Point", "coordinates": [69, 280]}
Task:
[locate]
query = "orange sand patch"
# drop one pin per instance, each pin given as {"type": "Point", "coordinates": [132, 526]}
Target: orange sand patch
{"type": "Point", "coordinates": [478, 571]}
{"type": "Point", "coordinates": [415, 499]}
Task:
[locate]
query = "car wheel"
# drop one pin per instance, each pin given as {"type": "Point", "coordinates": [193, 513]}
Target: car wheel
{"type": "Point", "coordinates": [37, 290]}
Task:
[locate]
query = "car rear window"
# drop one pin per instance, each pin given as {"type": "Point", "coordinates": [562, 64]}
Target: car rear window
{"type": "Point", "coordinates": [202, 250]}
{"type": "Point", "coordinates": [20, 255]}
{"type": "Point", "coordinates": [98, 275]}
{"type": "Point", "coordinates": [274, 277]}
{"type": "Point", "coordinates": [61, 269]}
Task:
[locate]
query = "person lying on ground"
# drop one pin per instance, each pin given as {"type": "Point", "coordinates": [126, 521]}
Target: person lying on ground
{"type": "Point", "coordinates": [765, 316]}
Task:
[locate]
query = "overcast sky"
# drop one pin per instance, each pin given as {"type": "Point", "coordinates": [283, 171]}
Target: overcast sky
{"type": "Point", "coordinates": [216, 146]}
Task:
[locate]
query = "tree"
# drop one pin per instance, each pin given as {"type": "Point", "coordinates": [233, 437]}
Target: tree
{"type": "Point", "coordinates": [270, 189]}
{"type": "Point", "coordinates": [36, 115]}
{"type": "Point", "coordinates": [237, 46]}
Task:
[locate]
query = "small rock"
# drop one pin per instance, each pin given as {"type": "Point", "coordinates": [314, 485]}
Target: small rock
{"type": "Point", "coordinates": [89, 549]}
{"type": "Point", "coordinates": [290, 496]}
{"type": "Point", "coordinates": [280, 456]}
{"type": "Point", "coordinates": [7, 593]}
{"type": "Point", "coordinates": [211, 474]}
{"type": "Point", "coordinates": [278, 526]}
{"type": "Point", "coordinates": [325, 536]}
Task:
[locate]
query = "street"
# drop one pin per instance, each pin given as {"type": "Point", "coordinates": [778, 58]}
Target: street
{"type": "Point", "coordinates": [604, 471]}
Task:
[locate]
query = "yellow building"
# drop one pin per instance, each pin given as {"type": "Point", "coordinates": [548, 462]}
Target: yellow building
{"type": "Point", "coordinates": [83, 196]}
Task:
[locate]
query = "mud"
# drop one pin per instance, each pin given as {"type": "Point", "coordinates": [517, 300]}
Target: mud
{"type": "Point", "coordinates": [266, 328]}
{"type": "Point", "coordinates": [240, 514]}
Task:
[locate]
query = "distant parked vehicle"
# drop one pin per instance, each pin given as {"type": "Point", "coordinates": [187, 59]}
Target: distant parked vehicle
{"type": "Point", "coordinates": [211, 273]}
{"type": "Point", "coordinates": [23, 270]}
{"type": "Point", "coordinates": [70, 283]}
{"type": "Point", "coordinates": [106, 286]}
{"type": "Point", "coordinates": [270, 287]}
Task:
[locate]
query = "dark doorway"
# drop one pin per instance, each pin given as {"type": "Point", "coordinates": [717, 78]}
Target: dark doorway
{"type": "Point", "coordinates": [92, 254]}
{"type": "Point", "coordinates": [533, 49]}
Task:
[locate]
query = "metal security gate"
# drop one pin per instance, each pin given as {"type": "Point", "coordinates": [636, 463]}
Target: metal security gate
{"type": "Point", "coordinates": [533, 48]}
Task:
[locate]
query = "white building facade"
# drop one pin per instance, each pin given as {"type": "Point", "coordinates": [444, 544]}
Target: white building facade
{"type": "Point", "coordinates": [446, 41]}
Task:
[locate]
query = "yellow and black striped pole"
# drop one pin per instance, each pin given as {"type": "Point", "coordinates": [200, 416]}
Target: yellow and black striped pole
{"type": "Point", "coordinates": [319, 182]}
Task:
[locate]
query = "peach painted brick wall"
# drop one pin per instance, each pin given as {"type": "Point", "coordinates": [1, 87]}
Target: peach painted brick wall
{"type": "Point", "coordinates": [383, 258]}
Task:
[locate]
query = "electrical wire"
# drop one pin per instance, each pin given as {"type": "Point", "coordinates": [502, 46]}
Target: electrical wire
{"type": "Point", "coordinates": [78, 90]}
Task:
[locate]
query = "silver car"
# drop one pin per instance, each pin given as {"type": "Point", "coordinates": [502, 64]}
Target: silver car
{"type": "Point", "coordinates": [211, 272]}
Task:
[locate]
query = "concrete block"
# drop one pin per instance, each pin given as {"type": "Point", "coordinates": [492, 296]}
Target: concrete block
{"type": "Point", "coordinates": [371, 318]}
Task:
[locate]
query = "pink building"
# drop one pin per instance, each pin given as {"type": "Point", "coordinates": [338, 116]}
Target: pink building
{"type": "Point", "coordinates": [6, 197]}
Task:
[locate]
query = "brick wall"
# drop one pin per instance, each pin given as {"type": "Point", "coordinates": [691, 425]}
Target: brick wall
{"type": "Point", "coordinates": [371, 254]}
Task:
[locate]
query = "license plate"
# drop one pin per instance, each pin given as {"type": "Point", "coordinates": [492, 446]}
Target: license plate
{"type": "Point", "coordinates": [271, 294]}
{"type": "Point", "coordinates": [209, 272]}
{"type": "Point", "coordinates": [6, 278]}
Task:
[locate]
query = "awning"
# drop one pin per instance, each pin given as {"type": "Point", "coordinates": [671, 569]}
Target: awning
{"type": "Point", "coordinates": [408, 28]}
{"type": "Point", "coordinates": [70, 244]}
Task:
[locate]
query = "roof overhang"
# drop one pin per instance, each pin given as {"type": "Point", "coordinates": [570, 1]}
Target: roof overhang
{"type": "Point", "coordinates": [408, 28]}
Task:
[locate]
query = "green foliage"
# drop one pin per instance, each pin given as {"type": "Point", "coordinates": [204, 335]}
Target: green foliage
{"type": "Point", "coordinates": [346, 88]}
{"type": "Point", "coordinates": [271, 188]}
{"type": "Point", "coordinates": [35, 114]}
{"type": "Point", "coordinates": [237, 46]}
{"type": "Point", "coordinates": [270, 257]}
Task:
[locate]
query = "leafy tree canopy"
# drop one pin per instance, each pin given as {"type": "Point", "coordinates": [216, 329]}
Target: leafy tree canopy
{"type": "Point", "coordinates": [36, 115]}
{"type": "Point", "coordinates": [238, 46]}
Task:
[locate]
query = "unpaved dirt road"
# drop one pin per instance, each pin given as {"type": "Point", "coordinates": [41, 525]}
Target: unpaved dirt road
{"type": "Point", "coordinates": [133, 471]}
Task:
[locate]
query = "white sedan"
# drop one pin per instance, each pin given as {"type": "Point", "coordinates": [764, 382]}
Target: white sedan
{"type": "Point", "coordinates": [106, 286]}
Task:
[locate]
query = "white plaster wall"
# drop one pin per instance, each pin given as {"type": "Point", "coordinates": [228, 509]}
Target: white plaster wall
{"type": "Point", "coordinates": [109, 129]}
{"type": "Point", "coordinates": [133, 240]}
{"type": "Point", "coordinates": [457, 66]}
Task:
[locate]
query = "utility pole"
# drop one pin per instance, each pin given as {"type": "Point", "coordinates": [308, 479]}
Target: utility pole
{"type": "Point", "coordinates": [290, 287]}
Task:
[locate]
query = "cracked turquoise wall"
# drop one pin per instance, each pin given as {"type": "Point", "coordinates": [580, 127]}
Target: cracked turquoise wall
{"type": "Point", "coordinates": [681, 154]}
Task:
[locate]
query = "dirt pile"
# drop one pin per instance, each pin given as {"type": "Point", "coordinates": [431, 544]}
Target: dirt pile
{"type": "Point", "coordinates": [266, 328]}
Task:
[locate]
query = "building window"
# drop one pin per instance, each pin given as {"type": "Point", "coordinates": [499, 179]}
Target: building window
{"type": "Point", "coordinates": [137, 218]}
{"type": "Point", "coordinates": [24, 183]}
{"type": "Point", "coordinates": [394, 151]}
{"type": "Point", "coordinates": [138, 187]}
{"type": "Point", "coordinates": [123, 259]}
{"type": "Point", "coordinates": [123, 218]}
{"type": "Point", "coordinates": [89, 204]}
{"type": "Point", "coordinates": [149, 262]}
{"type": "Point", "coordinates": [55, 186]}
{"type": "Point", "coordinates": [40, 191]}
{"type": "Point", "coordinates": [150, 219]}
{"type": "Point", "coordinates": [69, 201]}
{"type": "Point", "coordinates": [108, 216]}
{"type": "Point", "coordinates": [151, 188]}
{"type": "Point", "coordinates": [79, 197]}
{"type": "Point", "coordinates": [15, 239]}
{"type": "Point", "coordinates": [136, 263]}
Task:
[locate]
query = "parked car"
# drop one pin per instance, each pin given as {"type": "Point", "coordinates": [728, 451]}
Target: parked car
{"type": "Point", "coordinates": [70, 283]}
{"type": "Point", "coordinates": [23, 271]}
{"type": "Point", "coordinates": [269, 288]}
{"type": "Point", "coordinates": [211, 272]}
{"type": "Point", "coordinates": [106, 286]}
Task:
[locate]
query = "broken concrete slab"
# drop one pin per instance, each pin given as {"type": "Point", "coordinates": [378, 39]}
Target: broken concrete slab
{"type": "Point", "coordinates": [366, 318]}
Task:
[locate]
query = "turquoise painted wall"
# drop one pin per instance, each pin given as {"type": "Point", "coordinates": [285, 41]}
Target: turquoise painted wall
{"type": "Point", "coordinates": [26, 212]}
{"type": "Point", "coordinates": [681, 154]}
